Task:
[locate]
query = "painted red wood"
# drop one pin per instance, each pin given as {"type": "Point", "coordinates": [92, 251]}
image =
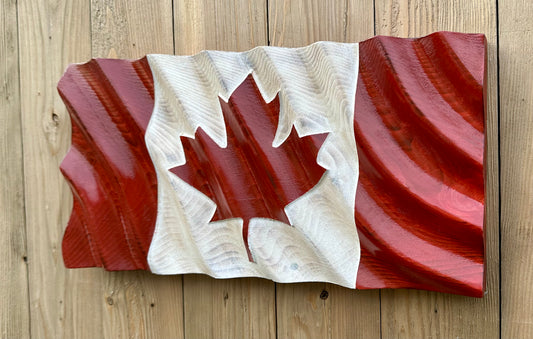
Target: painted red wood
{"type": "Point", "coordinates": [419, 120]}
{"type": "Point", "coordinates": [250, 178]}
{"type": "Point", "coordinates": [419, 128]}
{"type": "Point", "coordinates": [108, 167]}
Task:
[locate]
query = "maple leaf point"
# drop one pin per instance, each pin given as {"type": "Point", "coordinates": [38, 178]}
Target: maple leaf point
{"type": "Point", "coordinates": [249, 178]}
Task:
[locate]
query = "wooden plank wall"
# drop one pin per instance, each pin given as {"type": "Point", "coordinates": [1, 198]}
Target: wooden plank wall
{"type": "Point", "coordinates": [14, 315]}
{"type": "Point", "coordinates": [516, 142]}
{"type": "Point", "coordinates": [41, 299]}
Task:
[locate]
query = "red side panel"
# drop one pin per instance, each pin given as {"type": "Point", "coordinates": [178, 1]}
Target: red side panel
{"type": "Point", "coordinates": [419, 128]}
{"type": "Point", "coordinates": [108, 167]}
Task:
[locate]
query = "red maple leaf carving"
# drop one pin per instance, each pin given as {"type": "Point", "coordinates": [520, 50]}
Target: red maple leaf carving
{"type": "Point", "coordinates": [250, 178]}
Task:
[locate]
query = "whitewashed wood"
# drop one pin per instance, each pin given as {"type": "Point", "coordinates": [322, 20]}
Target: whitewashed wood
{"type": "Point", "coordinates": [316, 86]}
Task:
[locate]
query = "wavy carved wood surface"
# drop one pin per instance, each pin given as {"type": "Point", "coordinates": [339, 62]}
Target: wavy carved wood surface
{"type": "Point", "coordinates": [315, 88]}
{"type": "Point", "coordinates": [418, 125]}
{"type": "Point", "coordinates": [108, 167]}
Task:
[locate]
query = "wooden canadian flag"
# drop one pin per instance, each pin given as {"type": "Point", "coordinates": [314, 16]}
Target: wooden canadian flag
{"type": "Point", "coordinates": [359, 164]}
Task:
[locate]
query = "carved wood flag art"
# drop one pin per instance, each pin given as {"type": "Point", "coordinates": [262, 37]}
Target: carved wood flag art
{"type": "Point", "coordinates": [359, 164]}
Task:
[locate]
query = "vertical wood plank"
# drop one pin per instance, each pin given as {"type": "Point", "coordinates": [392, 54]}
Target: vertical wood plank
{"type": "Point", "coordinates": [63, 304]}
{"type": "Point", "coordinates": [14, 314]}
{"type": "Point", "coordinates": [229, 308]}
{"type": "Point", "coordinates": [236, 308]}
{"type": "Point", "coordinates": [131, 29]}
{"type": "Point", "coordinates": [420, 314]}
{"type": "Point", "coordinates": [137, 304]}
{"type": "Point", "coordinates": [142, 305]}
{"type": "Point", "coordinates": [235, 25]}
{"type": "Point", "coordinates": [516, 121]}
{"type": "Point", "coordinates": [317, 310]}
{"type": "Point", "coordinates": [299, 23]}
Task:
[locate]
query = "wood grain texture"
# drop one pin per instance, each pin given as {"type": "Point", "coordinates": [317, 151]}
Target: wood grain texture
{"type": "Point", "coordinates": [135, 302]}
{"type": "Point", "coordinates": [300, 311]}
{"type": "Point", "coordinates": [516, 121]}
{"type": "Point", "coordinates": [52, 35]}
{"type": "Point", "coordinates": [234, 308]}
{"type": "Point", "coordinates": [141, 305]}
{"type": "Point", "coordinates": [278, 117]}
{"type": "Point", "coordinates": [441, 315]}
{"type": "Point", "coordinates": [14, 312]}
{"type": "Point", "coordinates": [232, 26]}
{"type": "Point", "coordinates": [131, 29]}
{"type": "Point", "coordinates": [229, 308]}
{"type": "Point", "coordinates": [318, 310]}
{"type": "Point", "coordinates": [302, 22]}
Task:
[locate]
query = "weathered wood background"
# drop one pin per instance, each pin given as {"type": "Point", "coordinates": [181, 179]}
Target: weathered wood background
{"type": "Point", "coordinates": [39, 298]}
